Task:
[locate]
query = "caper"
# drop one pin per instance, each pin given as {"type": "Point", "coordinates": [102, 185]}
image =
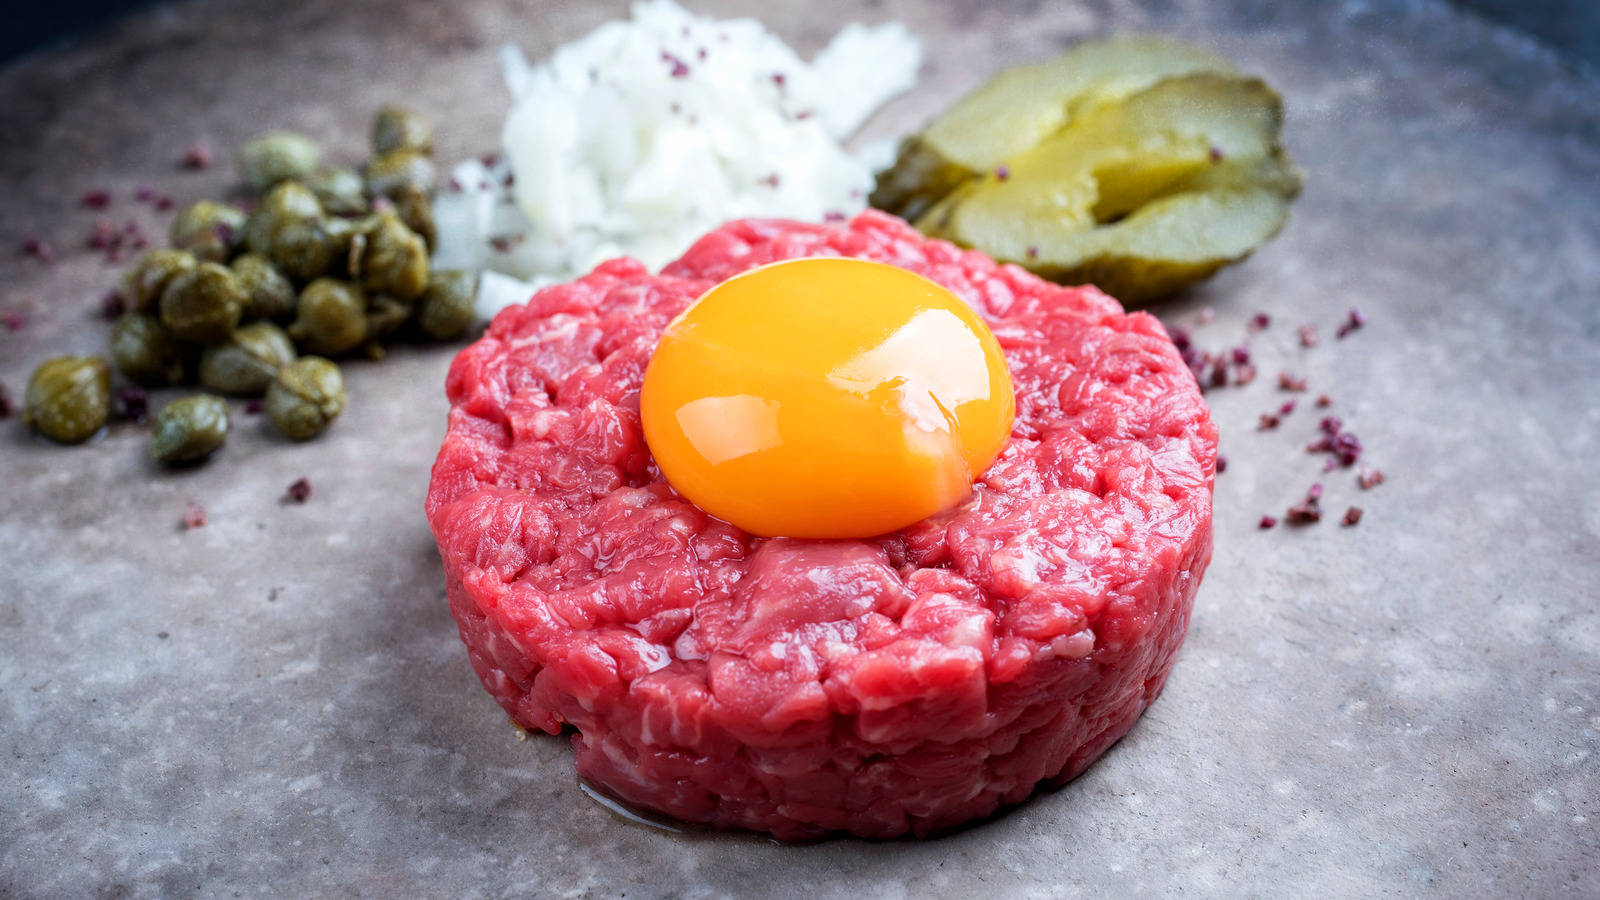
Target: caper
{"type": "Point", "coordinates": [397, 169]}
{"type": "Point", "coordinates": [68, 398]}
{"type": "Point", "coordinates": [330, 318]}
{"type": "Point", "coordinates": [248, 362]}
{"type": "Point", "coordinates": [302, 248]}
{"type": "Point", "coordinates": [416, 210]}
{"type": "Point", "coordinates": [341, 191]}
{"type": "Point", "coordinates": [290, 201]}
{"type": "Point", "coordinates": [446, 310]}
{"type": "Point", "coordinates": [210, 230]}
{"type": "Point", "coordinates": [338, 235]}
{"type": "Point", "coordinates": [396, 260]}
{"type": "Point", "coordinates": [203, 304]}
{"type": "Point", "coordinates": [307, 394]}
{"type": "Point", "coordinates": [270, 295]}
{"type": "Point", "coordinates": [398, 128]}
{"type": "Point", "coordinates": [385, 315]}
{"type": "Point", "coordinates": [189, 430]}
{"type": "Point", "coordinates": [277, 156]}
{"type": "Point", "coordinates": [142, 285]}
{"type": "Point", "coordinates": [145, 351]}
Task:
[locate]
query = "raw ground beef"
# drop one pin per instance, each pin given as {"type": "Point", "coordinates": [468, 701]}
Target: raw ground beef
{"type": "Point", "coordinates": [906, 683]}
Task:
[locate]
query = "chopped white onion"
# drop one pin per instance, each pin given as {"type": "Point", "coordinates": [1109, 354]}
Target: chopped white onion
{"type": "Point", "coordinates": [647, 133]}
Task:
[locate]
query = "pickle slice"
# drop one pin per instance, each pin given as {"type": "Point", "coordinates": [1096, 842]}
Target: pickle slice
{"type": "Point", "coordinates": [1144, 184]}
{"type": "Point", "coordinates": [1139, 197]}
{"type": "Point", "coordinates": [1020, 107]}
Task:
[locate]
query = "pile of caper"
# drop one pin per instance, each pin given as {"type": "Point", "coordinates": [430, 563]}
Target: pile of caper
{"type": "Point", "coordinates": [330, 262]}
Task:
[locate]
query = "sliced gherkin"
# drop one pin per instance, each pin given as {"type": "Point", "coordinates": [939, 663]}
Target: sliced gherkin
{"type": "Point", "coordinates": [1138, 164]}
{"type": "Point", "coordinates": [1022, 106]}
{"type": "Point", "coordinates": [1139, 197]}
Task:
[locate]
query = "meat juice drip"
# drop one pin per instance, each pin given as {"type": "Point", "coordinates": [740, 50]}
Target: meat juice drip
{"type": "Point", "coordinates": [628, 813]}
{"type": "Point", "coordinates": [646, 819]}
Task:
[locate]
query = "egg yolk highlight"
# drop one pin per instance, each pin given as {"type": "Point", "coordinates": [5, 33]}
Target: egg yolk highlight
{"type": "Point", "coordinates": [826, 398]}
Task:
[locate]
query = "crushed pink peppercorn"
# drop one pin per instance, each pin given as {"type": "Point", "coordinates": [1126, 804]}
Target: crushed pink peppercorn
{"type": "Point", "coordinates": [1309, 511]}
{"type": "Point", "coordinates": [1347, 447]}
{"type": "Point", "coordinates": [112, 304]}
{"type": "Point", "coordinates": [134, 234]}
{"type": "Point", "coordinates": [1219, 373]}
{"type": "Point", "coordinates": [1303, 513]}
{"type": "Point", "coordinates": [505, 243]}
{"type": "Point", "coordinates": [254, 407]}
{"type": "Point", "coordinates": [1369, 478]}
{"type": "Point", "coordinates": [299, 491]}
{"type": "Point", "coordinates": [13, 320]}
{"type": "Point", "coordinates": [1002, 172]}
{"type": "Point", "coordinates": [99, 198]}
{"type": "Point", "coordinates": [198, 156]}
{"type": "Point", "coordinates": [1351, 516]}
{"type": "Point", "coordinates": [130, 404]}
{"type": "Point", "coordinates": [145, 193]}
{"type": "Point", "coordinates": [194, 515]}
{"type": "Point", "coordinates": [1344, 446]}
{"type": "Point", "coordinates": [103, 236]}
{"type": "Point", "coordinates": [1235, 366]}
{"type": "Point", "coordinates": [680, 69]}
{"type": "Point", "coordinates": [1351, 323]}
{"type": "Point", "coordinates": [39, 249]}
{"type": "Point", "coordinates": [1222, 464]}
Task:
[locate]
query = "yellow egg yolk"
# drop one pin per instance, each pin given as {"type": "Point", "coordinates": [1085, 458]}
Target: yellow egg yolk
{"type": "Point", "coordinates": [826, 398]}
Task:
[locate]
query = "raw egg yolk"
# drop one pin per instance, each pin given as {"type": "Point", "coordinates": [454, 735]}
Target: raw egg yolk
{"type": "Point", "coordinates": [826, 398]}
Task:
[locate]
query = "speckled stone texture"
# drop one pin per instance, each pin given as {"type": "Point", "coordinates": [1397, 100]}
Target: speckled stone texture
{"type": "Point", "coordinates": [277, 704]}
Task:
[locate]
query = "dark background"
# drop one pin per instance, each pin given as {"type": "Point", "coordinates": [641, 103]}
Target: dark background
{"type": "Point", "coordinates": [1570, 26]}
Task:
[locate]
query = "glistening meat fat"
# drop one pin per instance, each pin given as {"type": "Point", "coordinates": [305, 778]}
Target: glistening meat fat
{"type": "Point", "coordinates": [907, 683]}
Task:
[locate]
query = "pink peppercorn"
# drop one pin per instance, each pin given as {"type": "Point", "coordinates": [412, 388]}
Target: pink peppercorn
{"type": "Point", "coordinates": [198, 156]}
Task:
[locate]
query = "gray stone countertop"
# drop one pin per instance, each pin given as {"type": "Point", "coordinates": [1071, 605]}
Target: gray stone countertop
{"type": "Point", "coordinates": [277, 704]}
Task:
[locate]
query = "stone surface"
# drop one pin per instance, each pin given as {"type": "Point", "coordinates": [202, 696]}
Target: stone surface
{"type": "Point", "coordinates": [277, 703]}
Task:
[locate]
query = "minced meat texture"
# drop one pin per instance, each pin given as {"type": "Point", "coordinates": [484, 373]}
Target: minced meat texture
{"type": "Point", "coordinates": [906, 683]}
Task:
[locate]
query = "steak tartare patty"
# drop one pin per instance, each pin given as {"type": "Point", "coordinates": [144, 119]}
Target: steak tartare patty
{"type": "Point", "coordinates": [910, 682]}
